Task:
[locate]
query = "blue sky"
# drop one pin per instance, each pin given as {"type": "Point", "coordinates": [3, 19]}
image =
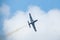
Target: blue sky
{"type": "Point", "coordinates": [46, 5]}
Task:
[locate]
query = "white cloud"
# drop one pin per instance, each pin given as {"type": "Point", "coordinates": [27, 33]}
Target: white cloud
{"type": "Point", "coordinates": [5, 10]}
{"type": "Point", "coordinates": [48, 27]}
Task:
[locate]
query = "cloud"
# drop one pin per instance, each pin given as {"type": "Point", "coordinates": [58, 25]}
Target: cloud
{"type": "Point", "coordinates": [48, 25]}
{"type": "Point", "coordinates": [5, 10]}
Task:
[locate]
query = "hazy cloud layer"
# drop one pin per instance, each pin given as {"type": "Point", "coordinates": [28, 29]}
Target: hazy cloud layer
{"type": "Point", "coordinates": [5, 10]}
{"type": "Point", "coordinates": [48, 25]}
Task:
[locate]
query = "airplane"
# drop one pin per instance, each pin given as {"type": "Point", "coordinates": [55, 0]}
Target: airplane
{"type": "Point", "coordinates": [32, 23]}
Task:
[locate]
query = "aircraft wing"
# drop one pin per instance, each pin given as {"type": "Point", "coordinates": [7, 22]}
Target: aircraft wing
{"type": "Point", "coordinates": [30, 17]}
{"type": "Point", "coordinates": [34, 27]}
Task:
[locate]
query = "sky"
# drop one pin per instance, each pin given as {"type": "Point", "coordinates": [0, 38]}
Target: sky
{"type": "Point", "coordinates": [15, 14]}
{"type": "Point", "coordinates": [46, 5]}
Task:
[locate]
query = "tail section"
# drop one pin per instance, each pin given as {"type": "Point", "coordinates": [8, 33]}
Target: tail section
{"type": "Point", "coordinates": [29, 24]}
